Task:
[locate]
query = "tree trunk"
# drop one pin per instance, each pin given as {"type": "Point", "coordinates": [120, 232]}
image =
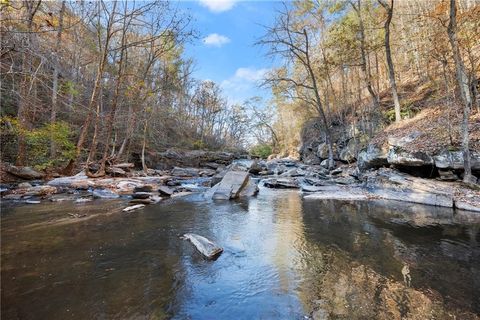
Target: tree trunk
{"type": "Point", "coordinates": [363, 54]}
{"type": "Point", "coordinates": [388, 53]}
{"type": "Point", "coordinates": [93, 98]}
{"type": "Point", "coordinates": [26, 84]}
{"type": "Point", "coordinates": [144, 144]}
{"type": "Point", "coordinates": [56, 66]}
{"type": "Point", "coordinates": [463, 84]}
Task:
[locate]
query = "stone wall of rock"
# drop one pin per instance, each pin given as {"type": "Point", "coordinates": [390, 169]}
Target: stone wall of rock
{"type": "Point", "coordinates": [352, 144]}
{"type": "Point", "coordinates": [186, 158]}
{"type": "Point", "coordinates": [348, 141]}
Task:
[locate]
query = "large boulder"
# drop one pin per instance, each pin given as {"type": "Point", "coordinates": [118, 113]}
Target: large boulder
{"type": "Point", "coordinates": [399, 157]}
{"type": "Point", "coordinates": [257, 167]}
{"type": "Point", "coordinates": [231, 185]}
{"type": "Point", "coordinates": [403, 140]}
{"type": "Point", "coordinates": [322, 151]}
{"type": "Point", "coordinates": [453, 160]}
{"type": "Point", "coordinates": [372, 157]}
{"type": "Point", "coordinates": [349, 152]}
{"type": "Point", "coordinates": [26, 173]}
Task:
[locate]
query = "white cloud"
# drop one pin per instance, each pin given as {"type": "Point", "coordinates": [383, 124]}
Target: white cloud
{"type": "Point", "coordinates": [250, 74]}
{"type": "Point", "coordinates": [218, 5]}
{"type": "Point", "coordinates": [243, 84]}
{"type": "Point", "coordinates": [215, 40]}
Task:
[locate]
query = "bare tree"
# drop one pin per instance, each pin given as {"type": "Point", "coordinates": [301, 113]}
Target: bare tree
{"type": "Point", "coordinates": [357, 7]}
{"type": "Point", "coordinates": [463, 85]}
{"type": "Point", "coordinates": [388, 54]}
{"type": "Point", "coordinates": [56, 67]}
{"type": "Point", "coordinates": [292, 41]}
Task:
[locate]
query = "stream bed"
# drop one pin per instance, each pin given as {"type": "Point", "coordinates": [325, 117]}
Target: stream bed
{"type": "Point", "coordinates": [284, 257]}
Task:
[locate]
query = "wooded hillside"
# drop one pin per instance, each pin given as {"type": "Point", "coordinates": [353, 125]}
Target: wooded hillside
{"type": "Point", "coordinates": [359, 66]}
{"type": "Point", "coordinates": [99, 80]}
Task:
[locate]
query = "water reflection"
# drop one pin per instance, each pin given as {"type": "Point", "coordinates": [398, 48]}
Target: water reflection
{"type": "Point", "coordinates": [392, 262]}
{"type": "Point", "coordinates": [284, 258]}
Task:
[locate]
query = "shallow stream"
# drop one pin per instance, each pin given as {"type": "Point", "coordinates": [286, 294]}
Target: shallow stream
{"type": "Point", "coordinates": [284, 257]}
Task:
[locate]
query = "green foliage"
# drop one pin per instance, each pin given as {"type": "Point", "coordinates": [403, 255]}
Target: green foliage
{"type": "Point", "coordinates": [68, 88]}
{"type": "Point", "coordinates": [198, 145]}
{"type": "Point", "coordinates": [38, 141]}
{"type": "Point", "coordinates": [406, 111]}
{"type": "Point", "coordinates": [261, 150]}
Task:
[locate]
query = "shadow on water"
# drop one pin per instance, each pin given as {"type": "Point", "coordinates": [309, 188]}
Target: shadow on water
{"type": "Point", "coordinates": [284, 258]}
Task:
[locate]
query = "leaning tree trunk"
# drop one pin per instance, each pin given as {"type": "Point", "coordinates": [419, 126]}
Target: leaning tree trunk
{"type": "Point", "coordinates": [463, 84]}
{"type": "Point", "coordinates": [391, 70]}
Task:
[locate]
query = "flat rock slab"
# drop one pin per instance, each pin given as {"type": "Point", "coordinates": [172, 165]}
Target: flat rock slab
{"type": "Point", "coordinates": [284, 183]}
{"type": "Point", "coordinates": [463, 205]}
{"type": "Point", "coordinates": [134, 207]}
{"type": "Point", "coordinates": [206, 247]}
{"type": "Point", "coordinates": [346, 195]}
{"type": "Point", "coordinates": [231, 185]}
{"type": "Point", "coordinates": [104, 194]}
{"type": "Point", "coordinates": [416, 196]}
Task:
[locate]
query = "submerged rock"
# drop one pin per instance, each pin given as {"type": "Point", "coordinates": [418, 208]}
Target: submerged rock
{"type": "Point", "coordinates": [104, 194]}
{"type": "Point", "coordinates": [32, 202]}
{"type": "Point", "coordinates": [206, 247]}
{"type": "Point", "coordinates": [134, 207]}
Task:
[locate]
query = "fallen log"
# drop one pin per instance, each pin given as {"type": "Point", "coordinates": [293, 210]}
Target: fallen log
{"type": "Point", "coordinates": [206, 247]}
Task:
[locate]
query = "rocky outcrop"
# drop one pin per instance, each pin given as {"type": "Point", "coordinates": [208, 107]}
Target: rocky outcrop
{"type": "Point", "coordinates": [372, 157]}
{"type": "Point", "coordinates": [453, 160]}
{"type": "Point", "coordinates": [189, 158]}
{"type": "Point", "coordinates": [399, 157]}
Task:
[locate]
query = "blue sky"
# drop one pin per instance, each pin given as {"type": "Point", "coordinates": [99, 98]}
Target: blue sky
{"type": "Point", "coordinates": [225, 52]}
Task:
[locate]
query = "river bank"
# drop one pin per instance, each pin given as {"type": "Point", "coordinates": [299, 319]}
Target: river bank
{"type": "Point", "coordinates": [346, 182]}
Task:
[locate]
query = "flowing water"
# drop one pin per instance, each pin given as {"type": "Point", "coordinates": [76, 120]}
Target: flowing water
{"type": "Point", "coordinates": [284, 257]}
